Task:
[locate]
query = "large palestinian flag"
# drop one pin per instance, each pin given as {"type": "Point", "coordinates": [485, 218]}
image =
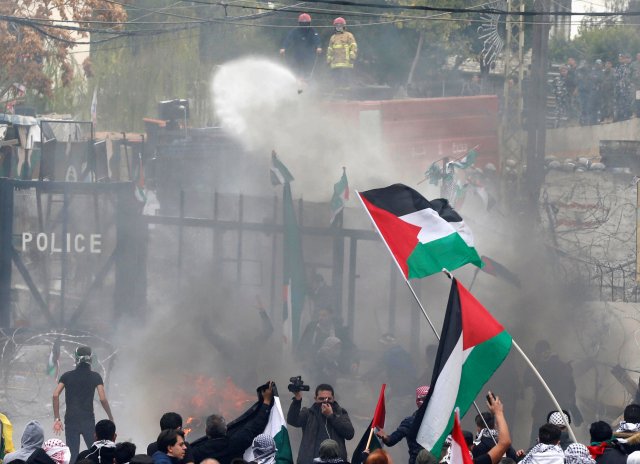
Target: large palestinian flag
{"type": "Point", "coordinates": [423, 236]}
{"type": "Point", "coordinates": [472, 346]}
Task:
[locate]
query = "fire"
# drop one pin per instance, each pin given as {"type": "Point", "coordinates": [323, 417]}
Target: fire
{"type": "Point", "coordinates": [186, 427]}
{"type": "Point", "coordinates": [211, 397]}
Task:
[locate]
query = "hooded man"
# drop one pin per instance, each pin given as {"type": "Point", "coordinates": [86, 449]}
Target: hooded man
{"type": "Point", "coordinates": [32, 438]}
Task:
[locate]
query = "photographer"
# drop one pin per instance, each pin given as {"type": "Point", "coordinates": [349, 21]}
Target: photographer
{"type": "Point", "coordinates": [224, 444]}
{"type": "Point", "coordinates": [323, 420]}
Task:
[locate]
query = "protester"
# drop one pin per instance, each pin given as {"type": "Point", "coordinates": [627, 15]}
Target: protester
{"type": "Point", "coordinates": [58, 451]}
{"type": "Point", "coordinates": [604, 449]}
{"type": "Point", "coordinates": [171, 420]}
{"type": "Point", "coordinates": [559, 376]}
{"type": "Point", "coordinates": [631, 421]}
{"type": "Point", "coordinates": [556, 418]}
{"type": "Point", "coordinates": [487, 436]}
{"type": "Point", "coordinates": [32, 438]}
{"type": "Point", "coordinates": [171, 447]}
{"type": "Point", "coordinates": [494, 455]}
{"type": "Point", "coordinates": [577, 453]}
{"type": "Point", "coordinates": [264, 449]}
{"type": "Point", "coordinates": [379, 456]}
{"type": "Point", "coordinates": [81, 385]}
{"type": "Point", "coordinates": [6, 436]}
{"type": "Point", "coordinates": [125, 451]}
{"type": "Point", "coordinates": [224, 445]}
{"type": "Point", "coordinates": [404, 429]}
{"type": "Point", "coordinates": [324, 419]}
{"type": "Point", "coordinates": [103, 449]}
{"type": "Point", "coordinates": [548, 450]}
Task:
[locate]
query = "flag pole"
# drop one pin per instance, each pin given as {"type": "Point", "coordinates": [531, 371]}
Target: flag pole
{"type": "Point", "coordinates": [546, 387]}
{"type": "Point", "coordinates": [366, 448]}
{"type": "Point", "coordinates": [415, 296]}
{"type": "Point", "coordinates": [399, 268]}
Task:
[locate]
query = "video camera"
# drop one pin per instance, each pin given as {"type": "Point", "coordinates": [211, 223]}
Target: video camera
{"type": "Point", "coordinates": [297, 385]}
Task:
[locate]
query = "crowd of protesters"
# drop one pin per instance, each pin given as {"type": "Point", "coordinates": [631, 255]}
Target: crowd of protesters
{"type": "Point", "coordinates": [598, 92]}
{"type": "Point", "coordinates": [326, 425]}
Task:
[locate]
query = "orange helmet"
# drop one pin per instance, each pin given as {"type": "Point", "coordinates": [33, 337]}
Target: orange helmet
{"type": "Point", "coordinates": [339, 22]}
{"type": "Point", "coordinates": [304, 18]}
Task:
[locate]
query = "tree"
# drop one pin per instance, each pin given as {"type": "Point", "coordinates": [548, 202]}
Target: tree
{"type": "Point", "coordinates": [32, 42]}
{"type": "Point", "coordinates": [433, 31]}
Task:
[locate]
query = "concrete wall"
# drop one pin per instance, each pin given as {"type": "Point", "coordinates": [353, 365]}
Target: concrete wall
{"type": "Point", "coordinates": [571, 142]}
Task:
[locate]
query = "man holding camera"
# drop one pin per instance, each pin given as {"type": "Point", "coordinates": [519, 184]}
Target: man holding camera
{"type": "Point", "coordinates": [324, 419]}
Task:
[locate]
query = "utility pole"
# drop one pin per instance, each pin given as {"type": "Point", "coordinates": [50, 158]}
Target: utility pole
{"type": "Point", "coordinates": [537, 111]}
{"type": "Point", "coordinates": [510, 128]}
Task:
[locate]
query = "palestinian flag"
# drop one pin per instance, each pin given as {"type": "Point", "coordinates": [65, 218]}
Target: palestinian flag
{"type": "Point", "coordinates": [423, 236]}
{"type": "Point", "coordinates": [279, 172]}
{"type": "Point", "coordinates": [340, 195]}
{"type": "Point", "coordinates": [472, 346]}
{"type": "Point", "coordinates": [459, 451]}
{"type": "Point", "coordinates": [276, 428]}
{"type": "Point", "coordinates": [358, 456]}
{"type": "Point", "coordinates": [467, 160]}
{"type": "Point", "coordinates": [294, 286]}
{"type": "Point", "coordinates": [498, 270]}
{"type": "Point", "coordinates": [53, 363]}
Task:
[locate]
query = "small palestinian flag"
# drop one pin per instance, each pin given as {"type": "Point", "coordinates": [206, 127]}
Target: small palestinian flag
{"type": "Point", "coordinates": [467, 161]}
{"type": "Point", "coordinates": [359, 456]}
{"type": "Point", "coordinates": [279, 172]}
{"type": "Point", "coordinates": [472, 346]}
{"type": "Point", "coordinates": [340, 195]}
{"type": "Point", "coordinates": [53, 363]}
{"type": "Point", "coordinates": [498, 270]}
{"type": "Point", "coordinates": [423, 236]}
{"type": "Point", "coordinates": [459, 451]}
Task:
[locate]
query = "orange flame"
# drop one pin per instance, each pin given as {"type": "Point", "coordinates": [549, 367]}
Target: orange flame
{"type": "Point", "coordinates": [209, 397]}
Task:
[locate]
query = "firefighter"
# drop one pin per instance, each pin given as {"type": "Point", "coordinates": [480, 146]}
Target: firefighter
{"type": "Point", "coordinates": [301, 48]}
{"type": "Point", "coordinates": [341, 53]}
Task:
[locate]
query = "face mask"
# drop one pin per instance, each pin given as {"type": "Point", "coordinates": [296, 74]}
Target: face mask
{"type": "Point", "coordinates": [304, 24]}
{"type": "Point", "coordinates": [339, 28]}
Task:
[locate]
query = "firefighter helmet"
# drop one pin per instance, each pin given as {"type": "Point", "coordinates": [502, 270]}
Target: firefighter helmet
{"type": "Point", "coordinates": [304, 18]}
{"type": "Point", "coordinates": [339, 22]}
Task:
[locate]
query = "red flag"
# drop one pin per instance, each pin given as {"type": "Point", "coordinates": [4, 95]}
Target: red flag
{"type": "Point", "coordinates": [378, 416]}
{"type": "Point", "coordinates": [459, 449]}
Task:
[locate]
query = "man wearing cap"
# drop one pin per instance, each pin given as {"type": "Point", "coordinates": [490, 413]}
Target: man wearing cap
{"type": "Point", "coordinates": [79, 419]}
{"type": "Point", "coordinates": [404, 429]}
{"type": "Point", "coordinates": [560, 420]}
{"type": "Point", "coordinates": [301, 48]}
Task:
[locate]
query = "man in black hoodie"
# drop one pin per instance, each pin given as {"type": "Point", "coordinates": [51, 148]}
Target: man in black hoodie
{"type": "Point", "coordinates": [226, 444]}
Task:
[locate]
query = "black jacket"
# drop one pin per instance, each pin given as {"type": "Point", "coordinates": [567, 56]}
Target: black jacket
{"type": "Point", "coordinates": [316, 427]}
{"type": "Point", "coordinates": [403, 431]}
{"type": "Point", "coordinates": [237, 440]}
{"type": "Point", "coordinates": [612, 456]}
{"type": "Point", "coordinates": [102, 455]}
